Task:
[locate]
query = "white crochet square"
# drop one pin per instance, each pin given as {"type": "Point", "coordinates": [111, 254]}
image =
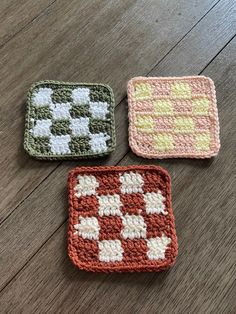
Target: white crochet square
{"type": "Point", "coordinates": [61, 111]}
{"type": "Point", "coordinates": [80, 126]}
{"type": "Point", "coordinates": [80, 96]}
{"type": "Point", "coordinates": [42, 97]}
{"type": "Point", "coordinates": [88, 228]}
{"type": "Point", "coordinates": [109, 205]}
{"type": "Point", "coordinates": [98, 142]}
{"type": "Point", "coordinates": [157, 247]}
{"type": "Point", "coordinates": [60, 144]}
{"type": "Point", "coordinates": [42, 128]}
{"type": "Point", "coordinates": [131, 182]}
{"type": "Point", "coordinates": [155, 203]}
{"type": "Point", "coordinates": [110, 251]}
{"type": "Point", "coordinates": [133, 227]}
{"type": "Point", "coordinates": [98, 110]}
{"type": "Point", "coordinates": [87, 185]}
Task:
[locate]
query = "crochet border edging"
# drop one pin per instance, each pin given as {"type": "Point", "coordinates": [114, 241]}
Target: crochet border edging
{"type": "Point", "coordinates": [72, 250]}
{"type": "Point", "coordinates": [144, 154]}
{"type": "Point", "coordinates": [55, 157]}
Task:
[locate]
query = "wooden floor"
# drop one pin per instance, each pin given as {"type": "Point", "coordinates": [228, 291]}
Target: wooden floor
{"type": "Point", "coordinates": [111, 42]}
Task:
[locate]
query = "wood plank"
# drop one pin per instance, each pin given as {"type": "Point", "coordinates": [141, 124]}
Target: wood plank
{"type": "Point", "coordinates": [16, 14]}
{"type": "Point", "coordinates": [58, 203]}
{"type": "Point", "coordinates": [214, 30]}
{"type": "Point", "coordinates": [130, 38]}
{"type": "Point", "coordinates": [30, 208]}
{"type": "Point", "coordinates": [205, 268]}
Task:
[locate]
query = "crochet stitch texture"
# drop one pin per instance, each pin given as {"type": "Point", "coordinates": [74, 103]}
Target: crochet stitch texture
{"type": "Point", "coordinates": [69, 120]}
{"type": "Point", "coordinates": [173, 117]}
{"type": "Point", "coordinates": [120, 219]}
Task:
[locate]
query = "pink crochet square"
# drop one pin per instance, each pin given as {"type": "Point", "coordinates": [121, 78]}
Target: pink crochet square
{"type": "Point", "coordinates": [173, 117]}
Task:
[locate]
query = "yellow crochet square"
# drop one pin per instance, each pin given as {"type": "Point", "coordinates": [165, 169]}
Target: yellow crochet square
{"type": "Point", "coordinates": [163, 107]}
{"type": "Point", "coordinates": [181, 90]}
{"type": "Point", "coordinates": [144, 123]}
{"type": "Point", "coordinates": [142, 91]}
{"type": "Point", "coordinates": [163, 142]}
{"type": "Point", "coordinates": [183, 125]}
{"type": "Point", "coordinates": [201, 106]}
{"type": "Point", "coordinates": [202, 141]}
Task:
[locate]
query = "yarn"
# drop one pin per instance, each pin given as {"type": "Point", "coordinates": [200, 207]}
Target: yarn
{"type": "Point", "coordinates": [173, 117]}
{"type": "Point", "coordinates": [69, 120]}
{"type": "Point", "coordinates": [120, 219]}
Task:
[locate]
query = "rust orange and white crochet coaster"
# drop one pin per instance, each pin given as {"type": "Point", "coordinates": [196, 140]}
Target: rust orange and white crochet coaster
{"type": "Point", "coordinates": [120, 219]}
{"type": "Point", "coordinates": [173, 117]}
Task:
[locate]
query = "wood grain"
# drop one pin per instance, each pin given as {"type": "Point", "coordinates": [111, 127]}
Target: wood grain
{"type": "Point", "coordinates": [36, 274]}
{"type": "Point", "coordinates": [207, 38]}
{"type": "Point", "coordinates": [22, 221]}
{"type": "Point", "coordinates": [71, 43]}
{"type": "Point", "coordinates": [205, 269]}
{"type": "Point", "coordinates": [17, 14]}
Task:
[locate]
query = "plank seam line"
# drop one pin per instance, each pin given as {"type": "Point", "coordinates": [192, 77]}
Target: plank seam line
{"type": "Point", "coordinates": [27, 24]}
{"type": "Point", "coordinates": [218, 53]}
{"type": "Point", "coordinates": [22, 268]}
{"type": "Point", "coordinates": [182, 38]}
{"type": "Point", "coordinates": [27, 196]}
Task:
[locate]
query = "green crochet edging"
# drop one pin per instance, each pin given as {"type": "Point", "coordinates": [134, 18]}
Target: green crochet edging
{"type": "Point", "coordinates": [39, 148]}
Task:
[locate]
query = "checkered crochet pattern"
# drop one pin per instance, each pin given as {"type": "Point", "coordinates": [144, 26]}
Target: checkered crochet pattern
{"type": "Point", "coordinates": [120, 219]}
{"type": "Point", "coordinates": [69, 120]}
{"type": "Point", "coordinates": [173, 117]}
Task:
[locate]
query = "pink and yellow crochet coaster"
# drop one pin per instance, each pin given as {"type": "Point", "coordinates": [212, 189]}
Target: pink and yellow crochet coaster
{"type": "Point", "coordinates": [173, 117]}
{"type": "Point", "coordinates": [121, 219]}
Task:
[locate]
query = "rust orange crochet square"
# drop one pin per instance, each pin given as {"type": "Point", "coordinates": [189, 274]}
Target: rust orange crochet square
{"type": "Point", "coordinates": [173, 117]}
{"type": "Point", "coordinates": [120, 219]}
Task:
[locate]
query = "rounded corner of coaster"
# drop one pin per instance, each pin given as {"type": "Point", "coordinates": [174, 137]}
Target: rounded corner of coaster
{"type": "Point", "coordinates": [135, 149]}
{"type": "Point", "coordinates": [207, 78]}
{"type": "Point", "coordinates": [29, 149]}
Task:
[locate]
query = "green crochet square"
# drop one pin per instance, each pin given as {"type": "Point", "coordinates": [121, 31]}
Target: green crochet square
{"type": "Point", "coordinates": [69, 120]}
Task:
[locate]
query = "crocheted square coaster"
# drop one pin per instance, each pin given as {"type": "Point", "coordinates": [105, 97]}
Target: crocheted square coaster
{"type": "Point", "coordinates": [69, 120]}
{"type": "Point", "coordinates": [120, 219]}
{"type": "Point", "coordinates": [173, 117]}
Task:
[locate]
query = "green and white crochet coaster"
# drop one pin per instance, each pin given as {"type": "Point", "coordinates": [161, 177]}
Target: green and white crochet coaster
{"type": "Point", "coordinates": [69, 120]}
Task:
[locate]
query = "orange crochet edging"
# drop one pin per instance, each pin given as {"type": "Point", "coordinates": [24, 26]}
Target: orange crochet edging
{"type": "Point", "coordinates": [171, 117]}
{"type": "Point", "coordinates": [121, 219]}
